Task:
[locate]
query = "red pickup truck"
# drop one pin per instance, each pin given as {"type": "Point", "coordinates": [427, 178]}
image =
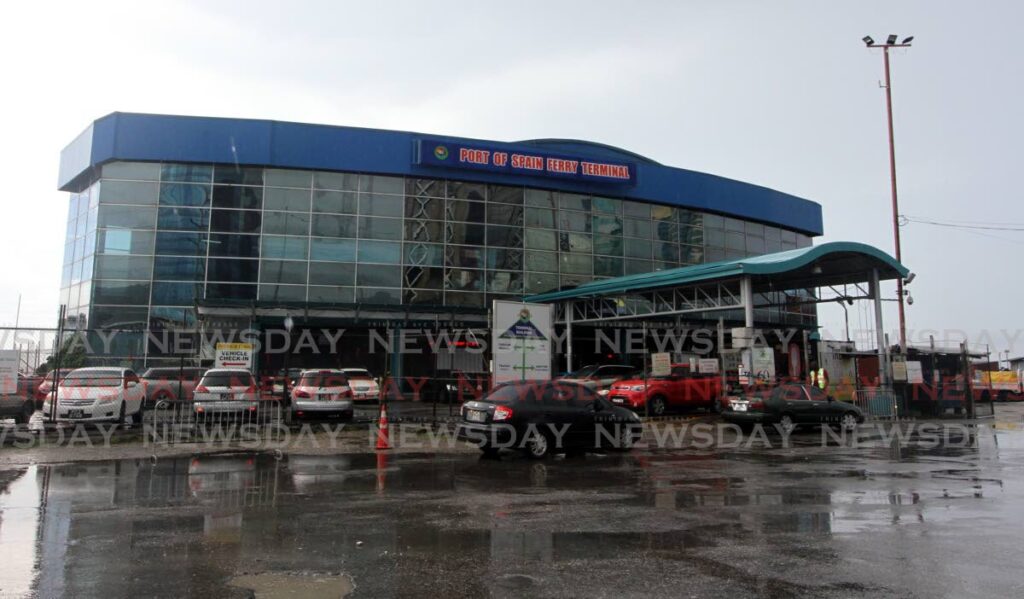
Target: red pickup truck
{"type": "Point", "coordinates": [681, 389]}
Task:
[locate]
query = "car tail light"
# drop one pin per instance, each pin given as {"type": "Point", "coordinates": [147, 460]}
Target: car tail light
{"type": "Point", "coordinates": [303, 394]}
{"type": "Point", "coordinates": [502, 413]}
{"type": "Point", "coordinates": [756, 404]}
{"type": "Point", "coordinates": [202, 389]}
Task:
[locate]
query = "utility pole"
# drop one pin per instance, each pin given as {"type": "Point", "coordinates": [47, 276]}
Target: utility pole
{"type": "Point", "coordinates": [891, 43]}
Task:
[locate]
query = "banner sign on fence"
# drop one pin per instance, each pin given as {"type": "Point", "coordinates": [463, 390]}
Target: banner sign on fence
{"type": "Point", "coordinates": [521, 341]}
{"type": "Point", "coordinates": [661, 364]}
{"type": "Point", "coordinates": [915, 374]}
{"type": "Point", "coordinates": [9, 371]}
{"type": "Point", "coordinates": [233, 355]}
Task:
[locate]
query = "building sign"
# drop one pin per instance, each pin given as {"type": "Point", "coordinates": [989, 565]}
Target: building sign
{"type": "Point", "coordinates": [233, 355]}
{"type": "Point", "coordinates": [521, 342]}
{"type": "Point", "coordinates": [661, 364]}
{"type": "Point", "coordinates": [433, 152]}
{"type": "Point", "coordinates": [708, 366]}
{"type": "Point", "coordinates": [8, 371]}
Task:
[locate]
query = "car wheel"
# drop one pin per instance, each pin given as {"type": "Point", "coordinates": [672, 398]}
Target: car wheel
{"type": "Point", "coordinates": [538, 446]}
{"type": "Point", "coordinates": [848, 421]}
{"type": "Point", "coordinates": [137, 416]}
{"type": "Point", "coordinates": [657, 405]}
{"type": "Point", "coordinates": [716, 406]}
{"type": "Point", "coordinates": [787, 424]}
{"type": "Point", "coordinates": [25, 415]}
{"type": "Point", "coordinates": [162, 401]}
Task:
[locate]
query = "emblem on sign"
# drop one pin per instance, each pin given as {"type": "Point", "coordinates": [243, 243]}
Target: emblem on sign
{"type": "Point", "coordinates": [441, 153]}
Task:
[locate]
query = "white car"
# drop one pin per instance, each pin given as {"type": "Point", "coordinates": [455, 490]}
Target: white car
{"type": "Point", "coordinates": [98, 395]}
{"type": "Point", "coordinates": [322, 393]}
{"type": "Point", "coordinates": [226, 390]}
{"type": "Point", "coordinates": [364, 386]}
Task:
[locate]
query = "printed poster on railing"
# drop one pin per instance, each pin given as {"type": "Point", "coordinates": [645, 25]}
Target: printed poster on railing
{"type": "Point", "coordinates": [521, 341]}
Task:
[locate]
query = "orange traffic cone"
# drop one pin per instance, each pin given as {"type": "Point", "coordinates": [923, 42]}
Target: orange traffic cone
{"type": "Point", "coordinates": [382, 429]}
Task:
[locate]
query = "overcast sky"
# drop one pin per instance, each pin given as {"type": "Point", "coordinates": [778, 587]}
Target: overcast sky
{"type": "Point", "coordinates": [781, 94]}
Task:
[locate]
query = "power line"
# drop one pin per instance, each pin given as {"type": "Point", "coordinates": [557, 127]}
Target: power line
{"type": "Point", "coordinates": [955, 225]}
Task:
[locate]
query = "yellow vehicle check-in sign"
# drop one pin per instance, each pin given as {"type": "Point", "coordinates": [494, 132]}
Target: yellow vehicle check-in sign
{"type": "Point", "coordinates": [233, 355]}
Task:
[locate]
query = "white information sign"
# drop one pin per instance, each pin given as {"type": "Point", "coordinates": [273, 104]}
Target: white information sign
{"type": "Point", "coordinates": [708, 366]}
{"type": "Point", "coordinates": [521, 341]}
{"type": "Point", "coordinates": [915, 374]}
{"type": "Point", "coordinates": [233, 355]}
{"type": "Point", "coordinates": [8, 371]}
{"type": "Point", "coordinates": [661, 364]}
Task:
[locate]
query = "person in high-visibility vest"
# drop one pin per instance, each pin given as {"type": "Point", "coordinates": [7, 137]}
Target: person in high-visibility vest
{"type": "Point", "coordinates": [822, 378]}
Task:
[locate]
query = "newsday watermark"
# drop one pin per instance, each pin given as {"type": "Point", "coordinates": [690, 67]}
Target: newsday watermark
{"type": "Point", "coordinates": [454, 437]}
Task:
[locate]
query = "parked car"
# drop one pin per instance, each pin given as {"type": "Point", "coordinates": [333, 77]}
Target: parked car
{"type": "Point", "coordinates": [322, 393]}
{"type": "Point", "coordinates": [600, 377]}
{"type": "Point", "coordinates": [45, 388]}
{"type": "Point", "coordinates": [541, 417]}
{"type": "Point", "coordinates": [226, 391]}
{"type": "Point", "coordinates": [20, 406]}
{"type": "Point", "coordinates": [681, 389]}
{"type": "Point", "coordinates": [364, 385]}
{"type": "Point", "coordinates": [165, 386]}
{"type": "Point", "coordinates": [274, 384]}
{"type": "Point", "coordinates": [792, 405]}
{"type": "Point", "coordinates": [99, 394]}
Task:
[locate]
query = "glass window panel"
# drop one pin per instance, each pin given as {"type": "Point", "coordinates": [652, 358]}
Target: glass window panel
{"type": "Point", "coordinates": [691, 218]}
{"type": "Point", "coordinates": [464, 280]}
{"type": "Point", "coordinates": [293, 200]}
{"type": "Point", "coordinates": [187, 219]}
{"type": "Point", "coordinates": [462, 210]}
{"type": "Point", "coordinates": [383, 252]}
{"type": "Point", "coordinates": [465, 233]}
{"type": "Point", "coordinates": [608, 225]}
{"type": "Point", "coordinates": [664, 213]}
{"type": "Point", "coordinates": [389, 229]}
{"type": "Point", "coordinates": [574, 201]}
{"type": "Point", "coordinates": [424, 254]}
{"type": "Point", "coordinates": [505, 259]}
{"type": "Point", "coordinates": [87, 265]}
{"type": "Point", "coordinates": [755, 245]}
{"type": "Point", "coordinates": [338, 181]}
{"type": "Point", "coordinates": [179, 269]}
{"type": "Point", "coordinates": [540, 282]}
{"type": "Point", "coordinates": [118, 317]}
{"type": "Point", "coordinates": [184, 244]}
{"type": "Point", "coordinates": [249, 198]}
{"type": "Point", "coordinates": [287, 178]}
{"type": "Point", "coordinates": [331, 225]}
{"type": "Point", "coordinates": [735, 241]}
{"type": "Point", "coordinates": [282, 271]}
{"type": "Point", "coordinates": [607, 266]}
{"type": "Point", "coordinates": [637, 248]}
{"type": "Point", "coordinates": [235, 221]}
{"type": "Point", "coordinates": [607, 205]}
{"type": "Point", "coordinates": [467, 191]}
{"type": "Point", "coordinates": [286, 223]}
{"type": "Point", "coordinates": [542, 261]}
{"type": "Point", "coordinates": [128, 192]}
{"type": "Point", "coordinates": [574, 280]}
{"type": "Point", "coordinates": [468, 257]}
{"type": "Point", "coordinates": [541, 240]}
{"type": "Point", "coordinates": [505, 214]}
{"type": "Point", "coordinates": [666, 230]}
{"type": "Point", "coordinates": [715, 254]}
{"type": "Point", "coordinates": [505, 282]}
{"type": "Point", "coordinates": [691, 235]}
{"type": "Point", "coordinates": [379, 276]}
{"type": "Point", "coordinates": [124, 267]}
{"type": "Point", "coordinates": [789, 236]}
{"type": "Point", "coordinates": [423, 296]}
{"type": "Point", "coordinates": [171, 318]}
{"type": "Point", "coordinates": [184, 194]}
{"type": "Point", "coordinates": [803, 241]}
{"type": "Point", "coordinates": [713, 221]}
{"type": "Point", "coordinates": [126, 217]}
{"type": "Point", "coordinates": [378, 184]}
{"type": "Point", "coordinates": [504, 236]}
{"type": "Point", "coordinates": [772, 245]}
{"type": "Point", "coordinates": [334, 250]}
{"type": "Point", "coordinates": [505, 195]}
{"type": "Point", "coordinates": [332, 273]}
{"type": "Point", "coordinates": [231, 291]}
{"type": "Point", "coordinates": [540, 217]}
{"type": "Point", "coordinates": [772, 233]}
{"type": "Point", "coordinates": [423, 230]}
{"type": "Point", "coordinates": [424, 208]}
{"type": "Point", "coordinates": [225, 269]}
{"type": "Point", "coordinates": [466, 300]}
{"type": "Point", "coordinates": [235, 246]}
{"type": "Point", "coordinates": [666, 252]}
{"type": "Point", "coordinates": [636, 209]}
{"type": "Point", "coordinates": [372, 295]}
{"type": "Point", "coordinates": [691, 254]}
{"type": "Point", "coordinates": [124, 241]}
{"type": "Point", "coordinates": [576, 242]}
{"type": "Point", "coordinates": [186, 173]}
{"type": "Point", "coordinates": [283, 293]}
{"type": "Point", "coordinates": [633, 227]}
{"type": "Point", "coordinates": [578, 264]}
{"type": "Point", "coordinates": [331, 295]}
{"type": "Point", "coordinates": [237, 175]}
{"type": "Point", "coordinates": [289, 248]}
{"type": "Point", "coordinates": [714, 237]}
{"type": "Point", "coordinates": [433, 188]}
{"type": "Point", "coordinates": [381, 205]}
{"type": "Point", "coordinates": [611, 246]}
{"type": "Point", "coordinates": [635, 267]}
{"type": "Point", "coordinates": [732, 224]}
{"type": "Point", "coordinates": [755, 229]}
{"type": "Point", "coordinates": [417, 277]}
{"type": "Point", "coordinates": [120, 292]}
{"type": "Point", "coordinates": [574, 221]}
{"type": "Point", "coordinates": [343, 202]}
{"type": "Point", "coordinates": [136, 171]}
{"type": "Point", "coordinates": [541, 198]}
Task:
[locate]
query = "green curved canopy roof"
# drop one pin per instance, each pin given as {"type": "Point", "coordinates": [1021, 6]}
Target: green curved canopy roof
{"type": "Point", "coordinates": [835, 263]}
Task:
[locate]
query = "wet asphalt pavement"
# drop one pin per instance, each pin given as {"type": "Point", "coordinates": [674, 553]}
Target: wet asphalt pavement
{"type": "Point", "coordinates": [807, 521]}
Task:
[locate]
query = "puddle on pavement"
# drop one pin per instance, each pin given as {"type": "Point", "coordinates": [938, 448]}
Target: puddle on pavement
{"type": "Point", "coordinates": [286, 585]}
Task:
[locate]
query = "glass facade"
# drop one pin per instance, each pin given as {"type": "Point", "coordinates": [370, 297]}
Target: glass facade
{"type": "Point", "coordinates": [146, 240]}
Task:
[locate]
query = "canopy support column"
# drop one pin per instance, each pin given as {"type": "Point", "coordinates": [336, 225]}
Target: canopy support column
{"type": "Point", "coordinates": [568, 336]}
{"type": "Point", "coordinates": [876, 295]}
{"type": "Point", "coordinates": [747, 298]}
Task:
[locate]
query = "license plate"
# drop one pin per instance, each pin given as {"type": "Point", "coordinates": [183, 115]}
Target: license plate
{"type": "Point", "coordinates": [225, 396]}
{"type": "Point", "coordinates": [739, 407]}
{"type": "Point", "coordinates": [475, 415]}
{"type": "Point", "coordinates": [76, 414]}
{"type": "Point", "coordinates": [325, 396]}
{"type": "Point", "coordinates": [618, 400]}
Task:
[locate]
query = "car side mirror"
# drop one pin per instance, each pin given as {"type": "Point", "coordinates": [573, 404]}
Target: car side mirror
{"type": "Point", "coordinates": [130, 384]}
{"type": "Point", "coordinates": [830, 398]}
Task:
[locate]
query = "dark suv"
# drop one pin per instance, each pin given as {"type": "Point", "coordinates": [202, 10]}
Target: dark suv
{"type": "Point", "coordinates": [171, 384]}
{"type": "Point", "coordinates": [541, 417]}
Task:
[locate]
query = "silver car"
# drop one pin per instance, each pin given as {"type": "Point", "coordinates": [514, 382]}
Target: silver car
{"type": "Point", "coordinates": [322, 393]}
{"type": "Point", "coordinates": [226, 390]}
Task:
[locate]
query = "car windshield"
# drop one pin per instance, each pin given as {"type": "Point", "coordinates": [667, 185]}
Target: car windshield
{"type": "Point", "coordinates": [92, 379]}
{"type": "Point", "coordinates": [323, 379]}
{"type": "Point", "coordinates": [228, 378]}
{"type": "Point", "coordinates": [584, 372]}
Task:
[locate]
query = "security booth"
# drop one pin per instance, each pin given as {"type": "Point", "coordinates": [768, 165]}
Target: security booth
{"type": "Point", "coordinates": [758, 312]}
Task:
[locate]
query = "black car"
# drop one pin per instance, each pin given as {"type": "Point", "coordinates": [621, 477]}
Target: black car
{"type": "Point", "coordinates": [792, 405]}
{"type": "Point", "coordinates": [542, 417]}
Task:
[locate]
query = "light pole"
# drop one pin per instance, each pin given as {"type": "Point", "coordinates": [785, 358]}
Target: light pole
{"type": "Point", "coordinates": [289, 324]}
{"type": "Point", "coordinates": [890, 42]}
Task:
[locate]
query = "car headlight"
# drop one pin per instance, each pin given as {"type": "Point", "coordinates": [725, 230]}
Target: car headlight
{"type": "Point", "coordinates": [108, 399]}
{"type": "Point", "coordinates": [637, 388]}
